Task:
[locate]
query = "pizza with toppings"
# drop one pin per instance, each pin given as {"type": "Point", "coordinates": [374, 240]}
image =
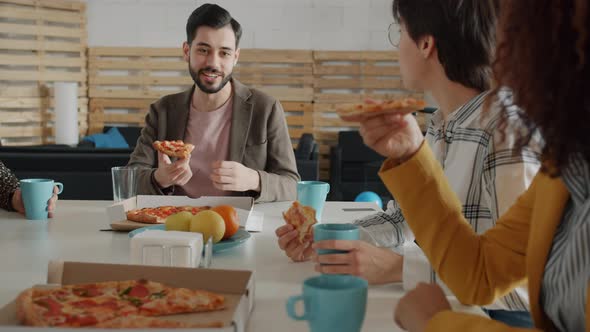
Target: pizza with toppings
{"type": "Point", "coordinates": [395, 106]}
{"type": "Point", "coordinates": [177, 149]}
{"type": "Point", "coordinates": [134, 303]}
{"type": "Point", "coordinates": [158, 215]}
{"type": "Point", "coordinates": [302, 218]}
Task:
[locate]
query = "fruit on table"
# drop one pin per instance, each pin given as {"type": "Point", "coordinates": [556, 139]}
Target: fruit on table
{"type": "Point", "coordinates": [210, 224]}
{"type": "Point", "coordinates": [180, 221]}
{"type": "Point", "coordinates": [230, 217]}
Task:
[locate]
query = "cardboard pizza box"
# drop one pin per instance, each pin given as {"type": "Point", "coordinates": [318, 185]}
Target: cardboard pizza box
{"type": "Point", "coordinates": [237, 286]}
{"type": "Point", "coordinates": [118, 219]}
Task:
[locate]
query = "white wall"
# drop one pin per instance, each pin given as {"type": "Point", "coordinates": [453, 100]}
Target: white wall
{"type": "Point", "coordinates": [281, 24]}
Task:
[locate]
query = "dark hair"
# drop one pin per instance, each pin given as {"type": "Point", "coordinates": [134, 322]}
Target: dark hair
{"type": "Point", "coordinates": [545, 60]}
{"type": "Point", "coordinates": [464, 33]}
{"type": "Point", "coordinates": [213, 16]}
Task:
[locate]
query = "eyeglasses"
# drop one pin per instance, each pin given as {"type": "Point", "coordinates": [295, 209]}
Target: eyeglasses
{"type": "Point", "coordinates": [393, 34]}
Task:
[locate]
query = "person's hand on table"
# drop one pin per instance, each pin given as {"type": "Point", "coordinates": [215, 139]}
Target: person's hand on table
{"type": "Point", "coordinates": [419, 305]}
{"type": "Point", "coordinates": [18, 205]}
{"type": "Point", "coordinates": [288, 242]}
{"type": "Point", "coordinates": [233, 176]}
{"type": "Point", "coordinates": [377, 265]}
{"type": "Point", "coordinates": [172, 173]}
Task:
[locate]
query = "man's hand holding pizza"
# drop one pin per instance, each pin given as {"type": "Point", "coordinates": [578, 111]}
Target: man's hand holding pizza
{"type": "Point", "coordinates": [173, 173]}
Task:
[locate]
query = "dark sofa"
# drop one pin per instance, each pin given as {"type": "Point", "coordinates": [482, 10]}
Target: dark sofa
{"type": "Point", "coordinates": [85, 172]}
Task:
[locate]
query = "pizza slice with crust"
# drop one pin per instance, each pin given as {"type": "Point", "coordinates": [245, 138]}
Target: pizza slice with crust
{"type": "Point", "coordinates": [177, 149]}
{"type": "Point", "coordinates": [394, 106]}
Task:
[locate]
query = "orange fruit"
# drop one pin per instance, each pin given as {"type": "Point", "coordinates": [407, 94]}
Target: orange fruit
{"type": "Point", "coordinates": [230, 216]}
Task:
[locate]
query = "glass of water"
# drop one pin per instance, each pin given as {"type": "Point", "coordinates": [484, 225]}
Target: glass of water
{"type": "Point", "coordinates": [124, 182]}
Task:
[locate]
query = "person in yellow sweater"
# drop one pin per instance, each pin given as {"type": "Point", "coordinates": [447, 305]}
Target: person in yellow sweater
{"type": "Point", "coordinates": [544, 238]}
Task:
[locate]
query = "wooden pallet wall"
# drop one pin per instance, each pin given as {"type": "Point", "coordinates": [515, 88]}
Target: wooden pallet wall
{"type": "Point", "coordinates": [41, 42]}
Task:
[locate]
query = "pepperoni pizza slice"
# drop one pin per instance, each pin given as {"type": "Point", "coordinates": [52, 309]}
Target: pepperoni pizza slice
{"type": "Point", "coordinates": [158, 215]}
{"type": "Point", "coordinates": [177, 149]}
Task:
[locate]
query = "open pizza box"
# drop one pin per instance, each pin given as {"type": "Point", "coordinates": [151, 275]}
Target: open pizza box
{"type": "Point", "coordinates": [237, 286]}
{"type": "Point", "coordinates": [118, 218]}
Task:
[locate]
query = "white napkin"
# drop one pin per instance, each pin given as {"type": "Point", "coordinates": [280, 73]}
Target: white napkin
{"type": "Point", "coordinates": [254, 223]}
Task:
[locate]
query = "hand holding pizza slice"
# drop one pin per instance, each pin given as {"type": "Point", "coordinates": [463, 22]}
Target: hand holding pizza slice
{"type": "Point", "coordinates": [302, 218]}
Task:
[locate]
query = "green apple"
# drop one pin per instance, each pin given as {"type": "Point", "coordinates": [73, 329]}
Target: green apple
{"type": "Point", "coordinates": [180, 221]}
{"type": "Point", "coordinates": [210, 224]}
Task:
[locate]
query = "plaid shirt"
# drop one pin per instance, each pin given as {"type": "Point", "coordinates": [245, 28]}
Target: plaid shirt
{"type": "Point", "coordinates": [484, 172]}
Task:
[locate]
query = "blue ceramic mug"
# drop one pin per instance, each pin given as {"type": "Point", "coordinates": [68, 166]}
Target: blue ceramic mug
{"type": "Point", "coordinates": [36, 193]}
{"type": "Point", "coordinates": [323, 232]}
{"type": "Point", "coordinates": [313, 193]}
{"type": "Point", "coordinates": [332, 303]}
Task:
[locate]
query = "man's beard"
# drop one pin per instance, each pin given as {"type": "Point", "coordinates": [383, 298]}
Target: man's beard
{"type": "Point", "coordinates": [202, 86]}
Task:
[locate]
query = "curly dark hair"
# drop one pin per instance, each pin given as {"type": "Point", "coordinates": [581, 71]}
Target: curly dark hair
{"type": "Point", "coordinates": [543, 56]}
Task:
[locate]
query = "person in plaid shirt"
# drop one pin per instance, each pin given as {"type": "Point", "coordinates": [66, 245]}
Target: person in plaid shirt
{"type": "Point", "coordinates": [445, 48]}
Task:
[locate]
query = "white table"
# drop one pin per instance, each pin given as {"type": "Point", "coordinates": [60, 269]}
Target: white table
{"type": "Point", "coordinates": [74, 234]}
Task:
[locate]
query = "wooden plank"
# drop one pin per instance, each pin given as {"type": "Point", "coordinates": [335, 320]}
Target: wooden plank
{"type": "Point", "coordinates": [135, 51]}
{"type": "Point", "coordinates": [289, 94]}
{"type": "Point", "coordinates": [140, 80]}
{"type": "Point", "coordinates": [34, 102]}
{"type": "Point", "coordinates": [267, 70]}
{"type": "Point", "coordinates": [21, 102]}
{"type": "Point", "coordinates": [364, 83]}
{"type": "Point", "coordinates": [56, 4]}
{"type": "Point", "coordinates": [356, 69]}
{"type": "Point", "coordinates": [276, 56]}
{"type": "Point", "coordinates": [94, 92]}
{"type": "Point", "coordinates": [295, 106]}
{"type": "Point", "coordinates": [333, 122]}
{"type": "Point", "coordinates": [20, 75]}
{"type": "Point", "coordinates": [21, 131]}
{"type": "Point", "coordinates": [131, 64]}
{"type": "Point", "coordinates": [35, 30]}
{"type": "Point", "coordinates": [121, 103]}
{"type": "Point", "coordinates": [355, 56]}
{"type": "Point", "coordinates": [22, 91]}
{"type": "Point", "coordinates": [299, 121]}
{"type": "Point", "coordinates": [33, 116]}
{"type": "Point", "coordinates": [270, 80]}
{"type": "Point", "coordinates": [123, 118]}
{"type": "Point", "coordinates": [34, 45]}
{"type": "Point", "coordinates": [33, 60]}
{"type": "Point", "coordinates": [297, 132]}
{"type": "Point", "coordinates": [47, 15]}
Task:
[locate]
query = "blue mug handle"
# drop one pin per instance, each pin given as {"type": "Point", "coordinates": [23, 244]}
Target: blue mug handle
{"type": "Point", "coordinates": [328, 191]}
{"type": "Point", "coordinates": [291, 308]}
{"type": "Point", "coordinates": [60, 187]}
